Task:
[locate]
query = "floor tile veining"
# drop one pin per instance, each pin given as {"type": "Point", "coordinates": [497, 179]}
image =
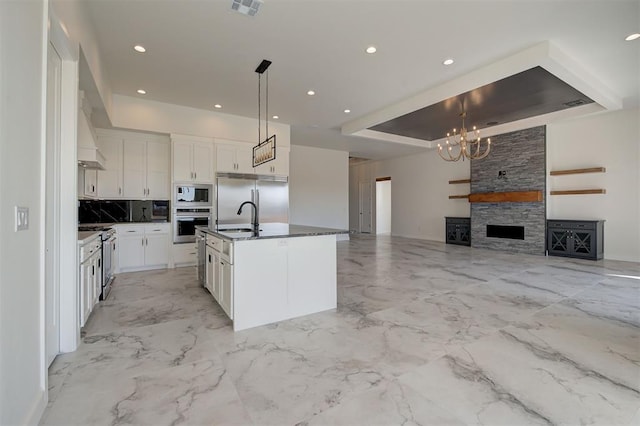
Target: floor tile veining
{"type": "Point", "coordinates": [424, 333]}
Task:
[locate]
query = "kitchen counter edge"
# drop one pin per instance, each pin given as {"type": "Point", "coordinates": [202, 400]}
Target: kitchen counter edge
{"type": "Point", "coordinates": [270, 232]}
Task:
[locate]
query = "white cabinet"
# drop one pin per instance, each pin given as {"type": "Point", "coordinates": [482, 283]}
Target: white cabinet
{"type": "Point", "coordinates": [87, 183]}
{"type": "Point", "coordinates": [212, 272]}
{"type": "Point", "coordinates": [110, 178]}
{"type": "Point", "coordinates": [226, 287]}
{"type": "Point", "coordinates": [279, 166]}
{"type": "Point", "coordinates": [136, 166]}
{"type": "Point", "coordinates": [145, 169]}
{"type": "Point", "coordinates": [234, 157]}
{"type": "Point", "coordinates": [192, 159]}
{"type": "Point", "coordinates": [90, 277]}
{"type": "Point", "coordinates": [143, 246]}
{"type": "Point", "coordinates": [219, 272]}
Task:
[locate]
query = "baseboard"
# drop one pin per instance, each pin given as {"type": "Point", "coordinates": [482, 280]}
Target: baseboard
{"type": "Point", "coordinates": [342, 237]}
{"type": "Point", "coordinates": [34, 415]}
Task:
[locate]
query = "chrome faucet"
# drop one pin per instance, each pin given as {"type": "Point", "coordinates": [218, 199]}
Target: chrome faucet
{"type": "Point", "coordinates": [256, 221]}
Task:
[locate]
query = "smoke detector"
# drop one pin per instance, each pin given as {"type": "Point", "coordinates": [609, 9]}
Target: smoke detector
{"type": "Point", "coordinates": [247, 7]}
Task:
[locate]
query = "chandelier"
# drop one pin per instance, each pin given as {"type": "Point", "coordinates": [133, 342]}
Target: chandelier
{"type": "Point", "coordinates": [461, 145]}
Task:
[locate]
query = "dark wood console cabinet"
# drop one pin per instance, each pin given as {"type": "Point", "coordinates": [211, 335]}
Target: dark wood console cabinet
{"type": "Point", "coordinates": [582, 239]}
{"type": "Point", "coordinates": [458, 230]}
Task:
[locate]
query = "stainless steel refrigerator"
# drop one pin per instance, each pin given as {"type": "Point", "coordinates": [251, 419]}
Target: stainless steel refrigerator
{"type": "Point", "coordinates": [269, 193]}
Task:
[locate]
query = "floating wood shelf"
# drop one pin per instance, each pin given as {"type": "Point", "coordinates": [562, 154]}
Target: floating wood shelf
{"type": "Point", "coordinates": [505, 197]}
{"type": "Point", "coordinates": [578, 171]}
{"type": "Point", "coordinates": [456, 197]}
{"type": "Point", "coordinates": [454, 182]}
{"type": "Point", "coordinates": [580, 192]}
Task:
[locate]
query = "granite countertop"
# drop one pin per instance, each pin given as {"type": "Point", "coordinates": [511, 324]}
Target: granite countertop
{"type": "Point", "coordinates": [269, 230]}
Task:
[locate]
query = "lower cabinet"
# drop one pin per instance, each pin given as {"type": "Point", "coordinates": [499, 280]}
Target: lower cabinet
{"type": "Point", "coordinates": [143, 246]}
{"type": "Point", "coordinates": [226, 287]}
{"type": "Point", "coordinates": [219, 272]}
{"type": "Point", "coordinates": [458, 230]}
{"type": "Point", "coordinates": [576, 238]}
{"type": "Point", "coordinates": [90, 284]}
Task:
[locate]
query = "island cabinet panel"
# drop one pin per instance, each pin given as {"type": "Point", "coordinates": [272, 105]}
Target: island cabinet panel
{"type": "Point", "coordinates": [281, 278]}
{"type": "Point", "coordinates": [260, 282]}
{"type": "Point", "coordinates": [312, 268]}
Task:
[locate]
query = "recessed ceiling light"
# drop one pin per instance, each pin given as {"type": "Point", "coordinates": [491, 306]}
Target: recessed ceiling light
{"type": "Point", "coordinates": [632, 36]}
{"type": "Point", "coordinates": [311, 93]}
{"type": "Point", "coordinates": [371, 49]}
{"type": "Point", "coordinates": [142, 92]}
{"type": "Point", "coordinates": [347, 111]}
{"type": "Point", "coordinates": [217, 106]}
{"type": "Point", "coordinates": [139, 48]}
{"type": "Point", "coordinates": [275, 117]}
{"type": "Point", "coordinates": [447, 61]}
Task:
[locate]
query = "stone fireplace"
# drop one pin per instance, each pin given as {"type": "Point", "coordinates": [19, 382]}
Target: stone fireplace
{"type": "Point", "coordinates": [517, 162]}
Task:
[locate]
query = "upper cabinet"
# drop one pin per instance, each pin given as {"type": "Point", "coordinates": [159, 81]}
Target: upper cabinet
{"type": "Point", "coordinates": [279, 166]}
{"type": "Point", "coordinates": [137, 166]}
{"type": "Point", "coordinates": [192, 159]}
{"type": "Point", "coordinates": [146, 170]}
{"type": "Point", "coordinates": [111, 177]}
{"type": "Point", "coordinates": [234, 157]}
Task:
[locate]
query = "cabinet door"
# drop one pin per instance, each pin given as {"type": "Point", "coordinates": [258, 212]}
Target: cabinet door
{"type": "Point", "coordinates": [110, 179]}
{"type": "Point", "coordinates": [158, 170]}
{"type": "Point", "coordinates": [97, 280]}
{"type": "Point", "coordinates": [558, 241]}
{"type": "Point", "coordinates": [202, 162]}
{"type": "Point", "coordinates": [134, 169]}
{"type": "Point", "coordinates": [131, 251]}
{"type": "Point", "coordinates": [225, 158]}
{"type": "Point", "coordinates": [216, 282]}
{"type": "Point", "coordinates": [583, 244]}
{"type": "Point", "coordinates": [226, 282]}
{"type": "Point", "coordinates": [90, 183]}
{"type": "Point", "coordinates": [85, 282]}
{"type": "Point", "coordinates": [244, 159]}
{"type": "Point", "coordinates": [156, 249]}
{"type": "Point", "coordinates": [182, 154]}
{"type": "Point", "coordinates": [209, 269]}
{"type": "Point", "coordinates": [279, 166]}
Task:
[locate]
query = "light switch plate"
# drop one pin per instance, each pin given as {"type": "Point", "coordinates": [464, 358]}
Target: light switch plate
{"type": "Point", "coordinates": [22, 218]}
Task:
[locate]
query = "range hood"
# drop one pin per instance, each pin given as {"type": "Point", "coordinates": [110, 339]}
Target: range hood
{"type": "Point", "coordinates": [89, 156]}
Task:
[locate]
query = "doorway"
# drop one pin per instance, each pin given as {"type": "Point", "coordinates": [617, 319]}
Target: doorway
{"type": "Point", "coordinates": [383, 206]}
{"type": "Point", "coordinates": [365, 207]}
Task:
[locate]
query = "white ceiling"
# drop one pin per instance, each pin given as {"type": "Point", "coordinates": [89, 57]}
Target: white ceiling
{"type": "Point", "coordinates": [200, 53]}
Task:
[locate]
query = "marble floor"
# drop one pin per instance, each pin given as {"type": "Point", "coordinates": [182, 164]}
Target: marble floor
{"type": "Point", "coordinates": [424, 334]}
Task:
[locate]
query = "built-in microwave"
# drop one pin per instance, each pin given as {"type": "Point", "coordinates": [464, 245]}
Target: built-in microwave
{"type": "Point", "coordinates": [192, 195]}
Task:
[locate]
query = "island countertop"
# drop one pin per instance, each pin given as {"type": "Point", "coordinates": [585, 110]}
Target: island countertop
{"type": "Point", "coordinates": [268, 230]}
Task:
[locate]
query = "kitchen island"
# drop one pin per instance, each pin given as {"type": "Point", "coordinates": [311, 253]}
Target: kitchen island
{"type": "Point", "coordinates": [282, 271]}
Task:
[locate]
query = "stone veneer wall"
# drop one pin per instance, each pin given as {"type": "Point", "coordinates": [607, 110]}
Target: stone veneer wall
{"type": "Point", "coordinates": [522, 155]}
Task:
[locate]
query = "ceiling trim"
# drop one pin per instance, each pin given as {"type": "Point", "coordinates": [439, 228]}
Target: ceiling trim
{"type": "Point", "coordinates": [544, 54]}
{"type": "Point", "coordinates": [389, 137]}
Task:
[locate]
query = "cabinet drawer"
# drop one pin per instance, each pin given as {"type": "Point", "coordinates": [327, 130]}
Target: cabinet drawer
{"type": "Point", "coordinates": [157, 228]}
{"type": "Point", "coordinates": [124, 230]}
{"type": "Point", "coordinates": [89, 249]}
{"type": "Point", "coordinates": [458, 221]}
{"type": "Point", "coordinates": [214, 242]}
{"type": "Point", "coordinates": [563, 224]}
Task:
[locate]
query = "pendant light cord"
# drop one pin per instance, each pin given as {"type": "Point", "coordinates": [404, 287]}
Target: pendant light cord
{"type": "Point", "coordinates": [259, 90]}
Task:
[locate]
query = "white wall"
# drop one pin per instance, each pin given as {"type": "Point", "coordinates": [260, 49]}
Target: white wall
{"type": "Point", "coordinates": [383, 207]}
{"type": "Point", "coordinates": [152, 116]}
{"type": "Point", "coordinates": [420, 197]}
{"type": "Point", "coordinates": [608, 140]}
{"type": "Point", "coordinates": [22, 49]}
{"type": "Point", "coordinates": [318, 191]}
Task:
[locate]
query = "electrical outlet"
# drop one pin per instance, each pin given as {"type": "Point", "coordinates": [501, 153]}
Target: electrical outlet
{"type": "Point", "coordinates": [22, 218]}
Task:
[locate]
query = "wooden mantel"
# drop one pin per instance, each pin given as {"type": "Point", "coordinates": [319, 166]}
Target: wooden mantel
{"type": "Point", "coordinates": [506, 197]}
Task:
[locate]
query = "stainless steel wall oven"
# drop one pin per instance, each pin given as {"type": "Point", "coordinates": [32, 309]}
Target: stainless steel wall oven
{"type": "Point", "coordinates": [185, 222]}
